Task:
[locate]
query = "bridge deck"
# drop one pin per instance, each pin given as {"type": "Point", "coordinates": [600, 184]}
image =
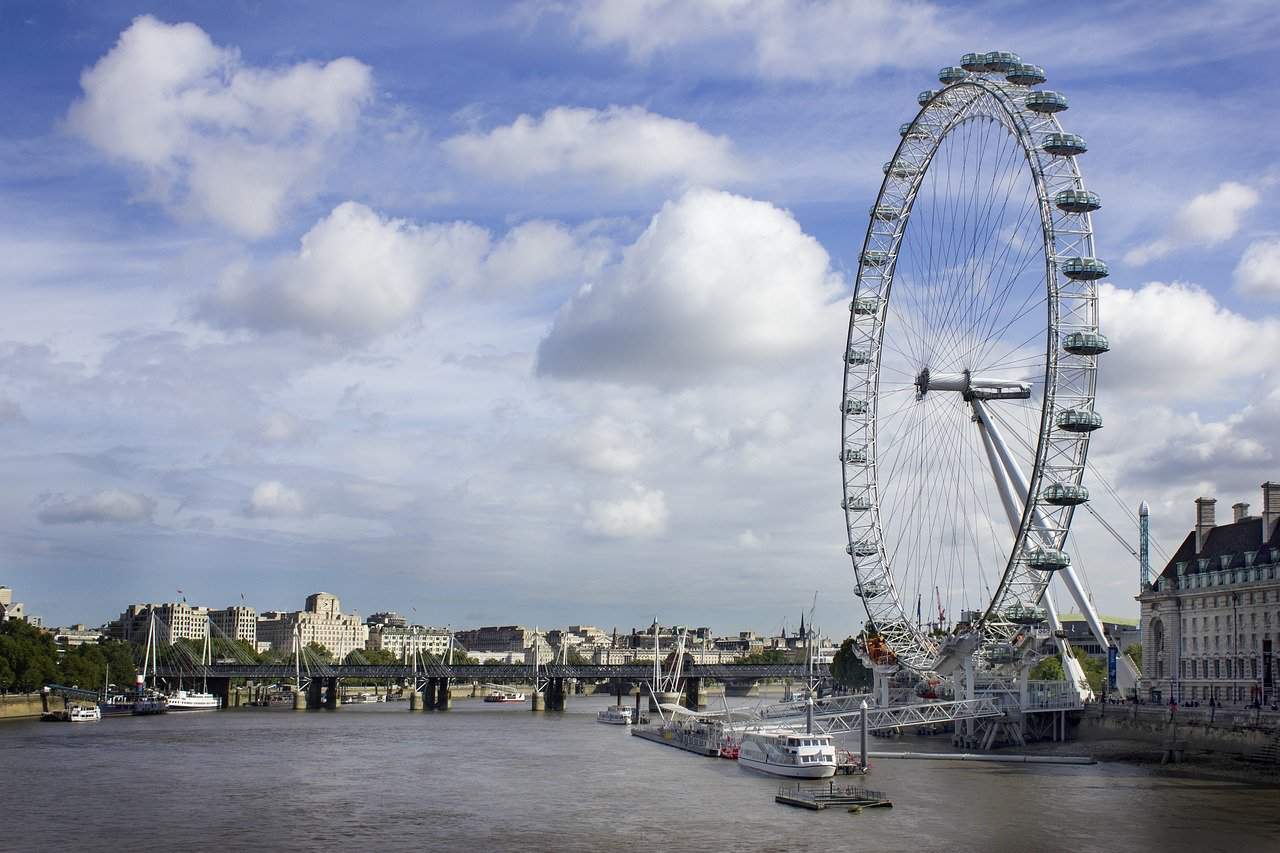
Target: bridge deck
{"type": "Point", "coordinates": [484, 672]}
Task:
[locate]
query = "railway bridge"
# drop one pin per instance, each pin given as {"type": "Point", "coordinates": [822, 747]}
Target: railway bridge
{"type": "Point", "coordinates": [430, 680]}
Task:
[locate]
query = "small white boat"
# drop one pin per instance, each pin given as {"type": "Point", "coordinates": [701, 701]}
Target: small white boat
{"type": "Point", "coordinates": [616, 715]}
{"type": "Point", "coordinates": [505, 696]}
{"type": "Point", "coordinates": [782, 752]}
{"type": "Point", "coordinates": [84, 713]}
{"type": "Point", "coordinates": [185, 700]}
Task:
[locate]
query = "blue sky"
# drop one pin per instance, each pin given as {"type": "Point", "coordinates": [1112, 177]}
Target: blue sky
{"type": "Point", "coordinates": [278, 277]}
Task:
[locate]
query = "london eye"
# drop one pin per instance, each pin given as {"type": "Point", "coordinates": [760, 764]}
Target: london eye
{"type": "Point", "coordinates": [970, 368]}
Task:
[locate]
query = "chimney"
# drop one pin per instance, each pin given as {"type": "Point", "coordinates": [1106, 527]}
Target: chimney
{"type": "Point", "coordinates": [1270, 509]}
{"type": "Point", "coordinates": [1239, 511]}
{"type": "Point", "coordinates": [1204, 521]}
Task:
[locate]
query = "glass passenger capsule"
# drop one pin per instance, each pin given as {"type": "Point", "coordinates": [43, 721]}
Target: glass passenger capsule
{"type": "Point", "coordinates": [856, 504]}
{"type": "Point", "coordinates": [1064, 144]}
{"type": "Point", "coordinates": [1020, 614]}
{"type": "Point", "coordinates": [860, 549]}
{"type": "Point", "coordinates": [875, 258]}
{"type": "Point", "coordinates": [1085, 269]}
{"type": "Point", "coordinates": [1064, 494]}
{"type": "Point", "coordinates": [870, 589]}
{"type": "Point", "coordinates": [909, 130]}
{"type": "Point", "coordinates": [1077, 201]}
{"type": "Point", "coordinates": [853, 456]}
{"type": "Point", "coordinates": [1047, 559]}
{"type": "Point", "coordinates": [951, 74]}
{"type": "Point", "coordinates": [1002, 653]}
{"type": "Point", "coordinates": [1086, 343]}
{"type": "Point", "coordinates": [1045, 101]}
{"type": "Point", "coordinates": [865, 305]}
{"type": "Point", "coordinates": [974, 62]}
{"type": "Point", "coordinates": [1025, 75]}
{"type": "Point", "coordinates": [925, 97]}
{"type": "Point", "coordinates": [900, 170]}
{"type": "Point", "coordinates": [1001, 61]}
{"type": "Point", "coordinates": [885, 212]}
{"type": "Point", "coordinates": [1078, 420]}
{"type": "Point", "coordinates": [854, 406]}
{"type": "Point", "coordinates": [857, 356]}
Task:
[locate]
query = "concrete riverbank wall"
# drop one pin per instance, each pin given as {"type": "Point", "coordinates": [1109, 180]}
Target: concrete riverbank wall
{"type": "Point", "coordinates": [1154, 728]}
{"type": "Point", "coordinates": [18, 705]}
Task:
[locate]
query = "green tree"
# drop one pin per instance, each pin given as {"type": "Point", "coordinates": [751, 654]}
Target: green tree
{"type": "Point", "coordinates": [848, 670]}
{"type": "Point", "coordinates": [766, 656]}
{"type": "Point", "coordinates": [89, 666]}
{"type": "Point", "coordinates": [1048, 669]}
{"type": "Point", "coordinates": [378, 657]}
{"type": "Point", "coordinates": [1134, 651]}
{"type": "Point", "coordinates": [29, 655]}
{"type": "Point", "coordinates": [318, 651]}
{"type": "Point", "coordinates": [1095, 671]}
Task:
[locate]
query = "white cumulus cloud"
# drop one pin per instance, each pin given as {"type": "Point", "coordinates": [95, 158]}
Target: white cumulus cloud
{"type": "Point", "coordinates": [1177, 342]}
{"type": "Point", "coordinates": [1258, 272]}
{"type": "Point", "coordinates": [358, 275]}
{"type": "Point", "coordinates": [780, 39]}
{"type": "Point", "coordinates": [639, 515]}
{"type": "Point", "coordinates": [109, 506]}
{"type": "Point", "coordinates": [273, 499]}
{"type": "Point", "coordinates": [213, 136]}
{"type": "Point", "coordinates": [716, 280]}
{"type": "Point", "coordinates": [626, 146]}
{"type": "Point", "coordinates": [1207, 220]}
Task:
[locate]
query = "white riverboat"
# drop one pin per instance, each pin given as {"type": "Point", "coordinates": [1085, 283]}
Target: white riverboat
{"type": "Point", "coordinates": [782, 752]}
{"type": "Point", "coordinates": [84, 713]}
{"type": "Point", "coordinates": [499, 695]}
{"type": "Point", "coordinates": [190, 700]}
{"type": "Point", "coordinates": [616, 715]}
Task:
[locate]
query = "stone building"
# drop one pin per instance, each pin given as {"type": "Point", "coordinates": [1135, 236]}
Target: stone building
{"type": "Point", "coordinates": [503, 638]}
{"type": "Point", "coordinates": [322, 622]}
{"type": "Point", "coordinates": [10, 609]}
{"type": "Point", "coordinates": [405, 641]}
{"type": "Point", "coordinates": [235, 623]}
{"type": "Point", "coordinates": [1211, 618]}
{"type": "Point", "coordinates": [175, 620]}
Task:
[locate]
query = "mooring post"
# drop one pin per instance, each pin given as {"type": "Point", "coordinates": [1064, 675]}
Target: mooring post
{"type": "Point", "coordinates": [862, 733]}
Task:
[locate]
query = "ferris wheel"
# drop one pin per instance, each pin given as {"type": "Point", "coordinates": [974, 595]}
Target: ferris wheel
{"type": "Point", "coordinates": [970, 366]}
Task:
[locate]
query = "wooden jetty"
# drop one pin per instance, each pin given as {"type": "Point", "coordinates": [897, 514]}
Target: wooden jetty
{"type": "Point", "coordinates": [816, 798]}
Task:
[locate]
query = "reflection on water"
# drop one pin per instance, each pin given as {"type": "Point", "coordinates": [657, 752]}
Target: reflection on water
{"type": "Point", "coordinates": [494, 777]}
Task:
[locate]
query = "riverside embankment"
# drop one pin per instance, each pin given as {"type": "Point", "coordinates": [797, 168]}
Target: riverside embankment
{"type": "Point", "coordinates": [14, 706]}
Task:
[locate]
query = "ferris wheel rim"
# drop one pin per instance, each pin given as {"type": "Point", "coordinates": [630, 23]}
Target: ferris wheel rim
{"type": "Point", "coordinates": [1008, 104]}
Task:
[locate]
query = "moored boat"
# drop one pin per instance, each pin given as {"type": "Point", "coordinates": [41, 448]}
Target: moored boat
{"type": "Point", "coordinates": [616, 715]}
{"type": "Point", "coordinates": [186, 700]}
{"type": "Point", "coordinates": [504, 696]}
{"type": "Point", "coordinates": [782, 752]}
{"type": "Point", "coordinates": [83, 713]}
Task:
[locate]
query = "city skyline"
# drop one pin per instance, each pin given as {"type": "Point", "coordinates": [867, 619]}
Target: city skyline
{"type": "Point", "coordinates": [539, 312]}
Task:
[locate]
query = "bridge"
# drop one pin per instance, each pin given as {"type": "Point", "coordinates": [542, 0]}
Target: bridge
{"type": "Point", "coordinates": [484, 672]}
{"type": "Point", "coordinates": [318, 683]}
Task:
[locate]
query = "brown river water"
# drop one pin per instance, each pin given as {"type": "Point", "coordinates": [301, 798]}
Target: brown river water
{"type": "Point", "coordinates": [499, 777]}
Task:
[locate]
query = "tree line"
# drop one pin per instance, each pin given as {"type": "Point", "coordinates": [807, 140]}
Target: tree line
{"type": "Point", "coordinates": [30, 659]}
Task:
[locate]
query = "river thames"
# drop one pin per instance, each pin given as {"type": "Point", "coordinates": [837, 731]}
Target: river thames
{"type": "Point", "coordinates": [498, 777]}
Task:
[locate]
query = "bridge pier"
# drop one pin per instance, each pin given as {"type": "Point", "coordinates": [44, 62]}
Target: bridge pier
{"type": "Point", "coordinates": [299, 700]}
{"type": "Point", "coordinates": [695, 695]}
{"type": "Point", "coordinates": [443, 698]}
{"type": "Point", "coordinates": [221, 687]}
{"type": "Point", "coordinates": [415, 700]}
{"type": "Point", "coordinates": [537, 701]}
{"type": "Point", "coordinates": [315, 694]}
{"type": "Point", "coordinates": [332, 699]}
